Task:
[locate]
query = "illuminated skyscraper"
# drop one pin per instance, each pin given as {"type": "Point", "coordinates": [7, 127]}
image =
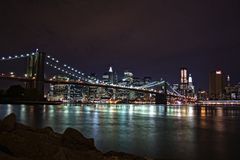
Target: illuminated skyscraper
{"type": "Point", "coordinates": [228, 81]}
{"type": "Point", "coordinates": [110, 70]}
{"type": "Point", "coordinates": [183, 81]}
{"type": "Point", "coordinates": [184, 78]}
{"type": "Point", "coordinates": [216, 84]}
{"type": "Point", "coordinates": [190, 81]}
{"type": "Point", "coordinates": [191, 88]}
{"type": "Point", "coordinates": [111, 75]}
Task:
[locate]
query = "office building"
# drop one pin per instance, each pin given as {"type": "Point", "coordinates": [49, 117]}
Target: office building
{"type": "Point", "coordinates": [216, 84]}
{"type": "Point", "coordinates": [110, 77]}
{"type": "Point", "coordinates": [64, 92]}
{"type": "Point", "coordinates": [191, 88]}
{"type": "Point", "coordinates": [183, 81]}
{"type": "Point", "coordinates": [127, 78]}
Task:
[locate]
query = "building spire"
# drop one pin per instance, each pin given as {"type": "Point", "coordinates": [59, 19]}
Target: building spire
{"type": "Point", "coordinates": [110, 69]}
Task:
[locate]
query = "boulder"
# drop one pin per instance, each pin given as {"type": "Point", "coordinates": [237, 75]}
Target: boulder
{"type": "Point", "coordinates": [46, 130]}
{"type": "Point", "coordinates": [27, 144]}
{"type": "Point", "coordinates": [60, 155]}
{"type": "Point", "coordinates": [20, 126]}
{"type": "Point", "coordinates": [8, 123]}
{"type": "Point", "coordinates": [73, 139]}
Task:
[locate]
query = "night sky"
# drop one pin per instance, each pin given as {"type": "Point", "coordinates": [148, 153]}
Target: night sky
{"type": "Point", "coordinates": [150, 38]}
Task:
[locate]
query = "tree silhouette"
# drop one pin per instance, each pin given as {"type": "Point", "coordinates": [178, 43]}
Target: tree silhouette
{"type": "Point", "coordinates": [15, 91]}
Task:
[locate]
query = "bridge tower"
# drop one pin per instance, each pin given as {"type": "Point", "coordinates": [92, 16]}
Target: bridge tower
{"type": "Point", "coordinates": [161, 98]}
{"type": "Point", "coordinates": [35, 70]}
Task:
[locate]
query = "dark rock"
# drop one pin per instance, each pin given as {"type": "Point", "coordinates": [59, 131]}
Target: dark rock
{"type": "Point", "coordinates": [20, 142]}
{"type": "Point", "coordinates": [8, 123]}
{"type": "Point", "coordinates": [121, 155]}
{"type": "Point", "coordinates": [60, 155]}
{"type": "Point", "coordinates": [28, 144]}
{"type": "Point", "coordinates": [24, 127]}
{"type": "Point", "coordinates": [46, 130]}
{"type": "Point", "coordinates": [4, 149]}
{"type": "Point", "coordinates": [73, 139]}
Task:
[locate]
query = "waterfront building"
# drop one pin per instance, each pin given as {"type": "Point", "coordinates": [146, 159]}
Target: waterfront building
{"type": "Point", "coordinates": [64, 92]}
{"type": "Point", "coordinates": [216, 85]}
{"type": "Point", "coordinates": [59, 92]}
{"type": "Point", "coordinates": [202, 95]}
{"type": "Point", "coordinates": [232, 91]}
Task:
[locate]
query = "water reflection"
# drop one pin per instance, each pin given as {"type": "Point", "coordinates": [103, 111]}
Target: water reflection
{"type": "Point", "coordinates": [146, 130]}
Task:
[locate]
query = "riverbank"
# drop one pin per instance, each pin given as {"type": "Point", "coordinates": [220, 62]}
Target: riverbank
{"type": "Point", "coordinates": [31, 102]}
{"type": "Point", "coordinates": [220, 102]}
{"type": "Point", "coordinates": [21, 142]}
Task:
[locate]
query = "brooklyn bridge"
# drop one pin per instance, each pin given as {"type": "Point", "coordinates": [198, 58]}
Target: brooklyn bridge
{"type": "Point", "coordinates": [36, 78]}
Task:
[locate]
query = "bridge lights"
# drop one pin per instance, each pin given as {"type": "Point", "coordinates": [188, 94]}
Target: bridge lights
{"type": "Point", "coordinates": [48, 57]}
{"type": "Point", "coordinates": [12, 74]}
{"type": "Point", "coordinates": [9, 57]}
{"type": "Point", "coordinates": [3, 58]}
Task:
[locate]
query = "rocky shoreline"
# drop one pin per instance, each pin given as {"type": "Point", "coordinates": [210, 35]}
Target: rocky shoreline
{"type": "Point", "coordinates": [21, 142]}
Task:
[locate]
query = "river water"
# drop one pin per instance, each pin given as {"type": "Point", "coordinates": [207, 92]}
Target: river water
{"type": "Point", "coordinates": [157, 131]}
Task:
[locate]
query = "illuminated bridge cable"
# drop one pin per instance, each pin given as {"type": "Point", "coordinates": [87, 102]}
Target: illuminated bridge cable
{"type": "Point", "coordinates": [20, 56]}
{"type": "Point", "coordinates": [65, 68]}
{"type": "Point", "coordinates": [72, 69]}
{"type": "Point", "coordinates": [66, 72]}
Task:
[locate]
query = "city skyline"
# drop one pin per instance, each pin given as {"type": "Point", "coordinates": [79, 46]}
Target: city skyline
{"type": "Point", "coordinates": [6, 66]}
{"type": "Point", "coordinates": [119, 75]}
{"type": "Point", "coordinates": [143, 37]}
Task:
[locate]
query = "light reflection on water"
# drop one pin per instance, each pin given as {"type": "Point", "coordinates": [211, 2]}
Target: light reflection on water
{"type": "Point", "coordinates": [189, 132]}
